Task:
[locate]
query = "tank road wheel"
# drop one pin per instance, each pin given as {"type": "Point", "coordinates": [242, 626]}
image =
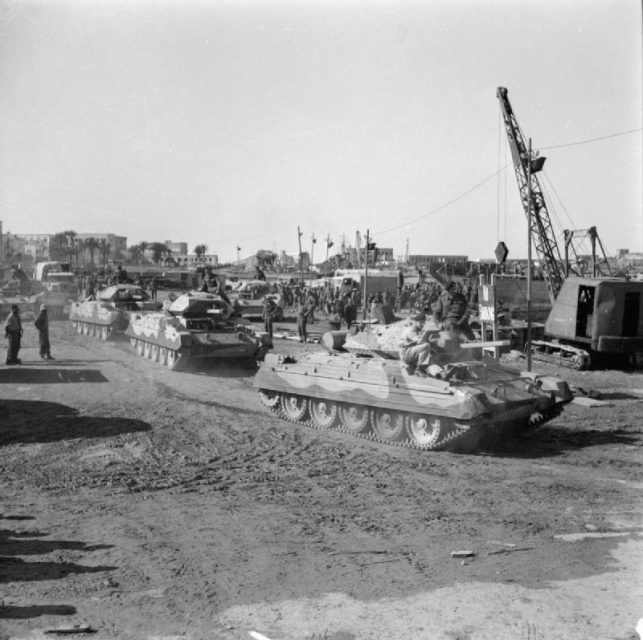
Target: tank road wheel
{"type": "Point", "coordinates": [78, 326]}
{"type": "Point", "coordinates": [147, 350]}
{"type": "Point", "coordinates": [140, 347]}
{"type": "Point", "coordinates": [162, 356]}
{"type": "Point", "coordinates": [132, 342]}
{"type": "Point", "coordinates": [354, 418]}
{"type": "Point", "coordinates": [104, 333]}
{"type": "Point", "coordinates": [427, 431]}
{"type": "Point", "coordinates": [294, 407]}
{"type": "Point", "coordinates": [269, 399]}
{"type": "Point", "coordinates": [388, 425]}
{"type": "Point", "coordinates": [86, 328]}
{"type": "Point", "coordinates": [323, 413]}
{"type": "Point", "coordinates": [154, 352]}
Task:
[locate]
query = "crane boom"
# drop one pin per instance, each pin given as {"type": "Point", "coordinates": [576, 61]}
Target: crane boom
{"type": "Point", "coordinates": [533, 202]}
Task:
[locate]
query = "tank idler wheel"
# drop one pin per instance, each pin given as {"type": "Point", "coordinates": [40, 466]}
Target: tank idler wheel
{"type": "Point", "coordinates": [140, 347]}
{"type": "Point", "coordinates": [162, 356]}
{"type": "Point", "coordinates": [427, 431]}
{"type": "Point", "coordinates": [355, 418]}
{"type": "Point", "coordinates": [323, 413]}
{"type": "Point", "coordinates": [269, 399]}
{"type": "Point", "coordinates": [388, 425]}
{"type": "Point", "coordinates": [294, 407]}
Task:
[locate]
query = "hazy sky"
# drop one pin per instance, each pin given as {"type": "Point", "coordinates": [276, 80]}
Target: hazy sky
{"type": "Point", "coordinates": [231, 123]}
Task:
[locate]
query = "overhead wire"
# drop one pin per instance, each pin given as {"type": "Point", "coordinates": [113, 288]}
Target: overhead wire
{"type": "Point", "coordinates": [496, 173]}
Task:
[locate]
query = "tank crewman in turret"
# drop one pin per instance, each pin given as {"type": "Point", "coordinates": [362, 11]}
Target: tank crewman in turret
{"type": "Point", "coordinates": [415, 350]}
{"type": "Point", "coordinates": [451, 312]}
{"type": "Point", "coordinates": [120, 277]}
{"type": "Point", "coordinates": [13, 332]}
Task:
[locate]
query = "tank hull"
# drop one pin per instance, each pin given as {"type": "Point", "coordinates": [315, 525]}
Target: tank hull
{"type": "Point", "coordinates": [97, 319]}
{"type": "Point", "coordinates": [162, 338]}
{"type": "Point", "coordinates": [379, 399]}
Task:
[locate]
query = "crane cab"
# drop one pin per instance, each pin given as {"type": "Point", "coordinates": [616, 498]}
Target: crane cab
{"type": "Point", "coordinates": [603, 315]}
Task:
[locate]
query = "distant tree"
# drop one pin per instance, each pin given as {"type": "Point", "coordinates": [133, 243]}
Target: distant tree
{"type": "Point", "coordinates": [72, 246]}
{"type": "Point", "coordinates": [159, 251]}
{"type": "Point", "coordinates": [104, 248]}
{"type": "Point", "coordinates": [142, 248]}
{"type": "Point", "coordinates": [91, 245]}
{"type": "Point", "coordinates": [200, 250]}
{"type": "Point", "coordinates": [58, 247]}
{"type": "Point", "coordinates": [135, 254]}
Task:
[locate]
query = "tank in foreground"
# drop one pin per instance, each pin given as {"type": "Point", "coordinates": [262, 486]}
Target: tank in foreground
{"type": "Point", "coordinates": [110, 312]}
{"type": "Point", "coordinates": [197, 325]}
{"type": "Point", "coordinates": [466, 402]}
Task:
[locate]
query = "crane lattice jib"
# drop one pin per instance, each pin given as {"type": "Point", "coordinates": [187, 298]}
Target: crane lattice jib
{"type": "Point", "coordinates": [542, 232]}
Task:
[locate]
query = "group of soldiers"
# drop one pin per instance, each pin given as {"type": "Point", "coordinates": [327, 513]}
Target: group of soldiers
{"type": "Point", "coordinates": [13, 331]}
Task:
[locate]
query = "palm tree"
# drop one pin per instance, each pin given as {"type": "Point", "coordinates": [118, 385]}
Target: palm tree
{"type": "Point", "coordinates": [70, 237]}
{"type": "Point", "coordinates": [159, 250]}
{"type": "Point", "coordinates": [104, 250]}
{"type": "Point", "coordinates": [91, 244]}
{"type": "Point", "coordinates": [142, 247]}
{"type": "Point", "coordinates": [200, 250]}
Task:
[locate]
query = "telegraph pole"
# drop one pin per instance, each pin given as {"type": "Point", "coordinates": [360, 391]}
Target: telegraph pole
{"type": "Point", "coordinates": [301, 257]}
{"type": "Point", "coordinates": [531, 213]}
{"type": "Point", "coordinates": [365, 274]}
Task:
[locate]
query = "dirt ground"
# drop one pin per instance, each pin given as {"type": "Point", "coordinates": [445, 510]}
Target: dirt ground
{"type": "Point", "coordinates": [151, 504]}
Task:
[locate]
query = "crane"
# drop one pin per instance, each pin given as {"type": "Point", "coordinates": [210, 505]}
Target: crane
{"type": "Point", "coordinates": [592, 318]}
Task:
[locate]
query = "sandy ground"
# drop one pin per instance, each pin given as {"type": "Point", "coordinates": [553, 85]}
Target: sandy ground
{"type": "Point", "coordinates": [151, 504]}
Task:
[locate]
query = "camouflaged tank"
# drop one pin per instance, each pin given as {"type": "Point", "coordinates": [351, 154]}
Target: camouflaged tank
{"type": "Point", "coordinates": [196, 325]}
{"type": "Point", "coordinates": [110, 312]}
{"type": "Point", "coordinates": [378, 398]}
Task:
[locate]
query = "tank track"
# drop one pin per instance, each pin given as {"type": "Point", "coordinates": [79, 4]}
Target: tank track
{"type": "Point", "coordinates": [449, 439]}
{"type": "Point", "coordinates": [455, 437]}
{"type": "Point", "coordinates": [561, 354]}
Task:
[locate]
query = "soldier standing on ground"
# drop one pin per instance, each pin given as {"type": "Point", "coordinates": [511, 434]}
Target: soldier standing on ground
{"type": "Point", "coordinates": [42, 324]}
{"type": "Point", "coordinates": [302, 319]}
{"type": "Point", "coordinates": [13, 331]}
{"type": "Point", "coordinates": [270, 309]}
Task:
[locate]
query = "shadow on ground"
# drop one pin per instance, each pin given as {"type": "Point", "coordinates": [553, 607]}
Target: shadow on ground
{"type": "Point", "coordinates": [27, 375]}
{"type": "Point", "coordinates": [35, 610]}
{"type": "Point", "coordinates": [553, 440]}
{"type": "Point", "coordinates": [30, 421]}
